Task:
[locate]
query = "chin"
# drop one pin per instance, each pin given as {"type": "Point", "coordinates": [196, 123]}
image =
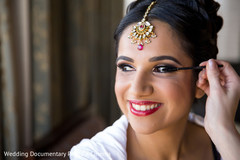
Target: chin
{"type": "Point", "coordinates": [145, 127]}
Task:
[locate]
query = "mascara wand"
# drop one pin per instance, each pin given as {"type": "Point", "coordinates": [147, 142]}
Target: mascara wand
{"type": "Point", "coordinates": [195, 68]}
{"type": "Point", "coordinates": [173, 69]}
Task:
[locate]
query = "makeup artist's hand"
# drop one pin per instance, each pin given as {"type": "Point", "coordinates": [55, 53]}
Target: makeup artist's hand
{"type": "Point", "coordinates": [222, 86]}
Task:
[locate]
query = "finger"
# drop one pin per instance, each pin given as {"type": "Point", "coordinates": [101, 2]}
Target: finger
{"type": "Point", "coordinates": [213, 74]}
{"type": "Point", "coordinates": [204, 74]}
{"type": "Point", "coordinates": [229, 78]}
{"type": "Point", "coordinates": [203, 86]}
{"type": "Point", "coordinates": [202, 82]}
{"type": "Point", "coordinates": [202, 77]}
{"type": "Point", "coordinates": [227, 70]}
{"type": "Point", "coordinates": [203, 63]}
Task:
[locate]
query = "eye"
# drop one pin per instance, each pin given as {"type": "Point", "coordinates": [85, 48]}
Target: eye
{"type": "Point", "coordinates": [125, 67]}
{"type": "Point", "coordinates": [164, 69]}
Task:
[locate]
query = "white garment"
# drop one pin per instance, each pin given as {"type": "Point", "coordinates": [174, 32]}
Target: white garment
{"type": "Point", "coordinates": [110, 144]}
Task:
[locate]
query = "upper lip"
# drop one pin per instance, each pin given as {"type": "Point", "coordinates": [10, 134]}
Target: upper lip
{"type": "Point", "coordinates": [139, 102]}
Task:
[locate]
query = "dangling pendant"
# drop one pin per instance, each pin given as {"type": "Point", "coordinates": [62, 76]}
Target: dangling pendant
{"type": "Point", "coordinates": [143, 31]}
{"type": "Point", "coordinates": [140, 47]}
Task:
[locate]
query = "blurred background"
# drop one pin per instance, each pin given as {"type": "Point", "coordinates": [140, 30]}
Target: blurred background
{"type": "Point", "coordinates": [57, 67]}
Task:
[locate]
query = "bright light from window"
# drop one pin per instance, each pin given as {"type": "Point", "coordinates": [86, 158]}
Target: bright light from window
{"type": "Point", "coordinates": [126, 3]}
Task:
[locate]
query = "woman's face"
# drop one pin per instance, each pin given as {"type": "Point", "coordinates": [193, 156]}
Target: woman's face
{"type": "Point", "coordinates": [151, 99]}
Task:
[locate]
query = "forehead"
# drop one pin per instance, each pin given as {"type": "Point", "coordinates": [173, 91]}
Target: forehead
{"type": "Point", "coordinates": [166, 43]}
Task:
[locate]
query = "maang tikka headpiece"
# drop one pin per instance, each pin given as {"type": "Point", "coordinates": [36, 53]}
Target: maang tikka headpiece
{"type": "Point", "coordinates": [143, 30]}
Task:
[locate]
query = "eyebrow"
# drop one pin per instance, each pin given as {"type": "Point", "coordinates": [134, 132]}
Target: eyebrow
{"type": "Point", "coordinates": [159, 58]}
{"type": "Point", "coordinates": [124, 58]}
{"type": "Point", "coordinates": [153, 59]}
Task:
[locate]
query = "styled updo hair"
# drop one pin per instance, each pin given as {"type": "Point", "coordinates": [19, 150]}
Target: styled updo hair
{"type": "Point", "coordinates": [195, 22]}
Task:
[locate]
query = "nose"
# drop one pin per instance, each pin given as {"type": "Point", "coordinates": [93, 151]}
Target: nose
{"type": "Point", "coordinates": [141, 85]}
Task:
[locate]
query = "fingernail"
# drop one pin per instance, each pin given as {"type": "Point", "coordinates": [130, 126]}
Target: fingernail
{"type": "Point", "coordinates": [211, 63]}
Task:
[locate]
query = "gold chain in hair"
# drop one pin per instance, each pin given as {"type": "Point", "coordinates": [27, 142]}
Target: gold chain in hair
{"type": "Point", "coordinates": [143, 30]}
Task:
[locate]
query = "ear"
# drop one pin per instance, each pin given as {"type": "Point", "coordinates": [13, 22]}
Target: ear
{"type": "Point", "coordinates": [199, 93]}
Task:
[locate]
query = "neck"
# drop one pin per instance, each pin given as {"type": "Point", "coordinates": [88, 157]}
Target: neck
{"type": "Point", "coordinates": [168, 143]}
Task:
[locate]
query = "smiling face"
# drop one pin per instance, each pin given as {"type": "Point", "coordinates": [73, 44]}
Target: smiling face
{"type": "Point", "coordinates": [150, 98]}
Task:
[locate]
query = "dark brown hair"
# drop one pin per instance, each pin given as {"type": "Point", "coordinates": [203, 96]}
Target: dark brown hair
{"type": "Point", "coordinates": [195, 21]}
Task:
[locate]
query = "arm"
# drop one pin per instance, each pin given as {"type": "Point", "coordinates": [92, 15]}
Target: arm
{"type": "Point", "coordinates": [222, 85]}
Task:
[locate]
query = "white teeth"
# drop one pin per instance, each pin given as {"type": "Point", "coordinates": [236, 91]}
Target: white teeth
{"type": "Point", "coordinates": [134, 106]}
{"type": "Point", "coordinates": [152, 106]}
{"type": "Point", "coordinates": [148, 107]}
{"type": "Point", "coordinates": [137, 107]}
{"type": "Point", "coordinates": [144, 107]}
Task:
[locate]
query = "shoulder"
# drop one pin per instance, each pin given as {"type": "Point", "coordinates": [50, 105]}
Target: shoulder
{"type": "Point", "coordinates": [196, 131]}
{"type": "Point", "coordinates": [201, 143]}
{"type": "Point", "coordinates": [105, 145]}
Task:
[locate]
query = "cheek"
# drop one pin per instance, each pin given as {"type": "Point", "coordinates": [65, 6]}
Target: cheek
{"type": "Point", "coordinates": [122, 82]}
{"type": "Point", "coordinates": [177, 97]}
{"type": "Point", "coordinates": [121, 85]}
{"type": "Point", "coordinates": [177, 92]}
{"type": "Point", "coordinates": [118, 89]}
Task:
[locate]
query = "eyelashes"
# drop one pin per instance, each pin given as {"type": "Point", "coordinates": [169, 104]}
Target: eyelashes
{"type": "Point", "coordinates": [125, 67]}
{"type": "Point", "coordinates": [164, 69]}
{"type": "Point", "coordinates": [158, 69]}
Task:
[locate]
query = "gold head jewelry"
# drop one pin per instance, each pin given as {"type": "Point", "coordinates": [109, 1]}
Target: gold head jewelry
{"type": "Point", "coordinates": [143, 31]}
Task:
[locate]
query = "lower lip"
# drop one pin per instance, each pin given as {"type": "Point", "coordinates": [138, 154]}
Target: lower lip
{"type": "Point", "coordinates": [143, 113]}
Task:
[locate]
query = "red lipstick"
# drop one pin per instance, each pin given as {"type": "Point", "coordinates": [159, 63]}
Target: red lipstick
{"type": "Point", "coordinates": [143, 108]}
